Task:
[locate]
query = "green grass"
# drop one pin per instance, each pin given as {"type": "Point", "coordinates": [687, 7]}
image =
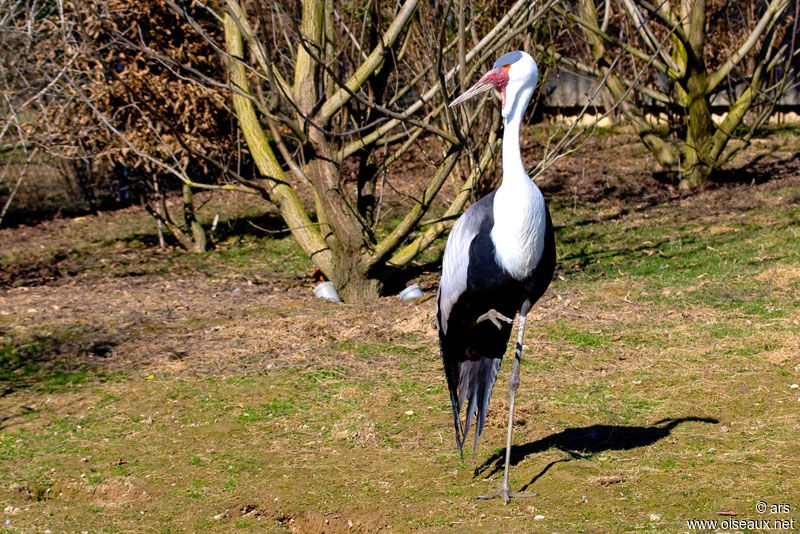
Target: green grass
{"type": "Point", "coordinates": [125, 243]}
{"type": "Point", "coordinates": [35, 361]}
{"type": "Point", "coordinates": [711, 264]}
{"type": "Point", "coordinates": [578, 338]}
{"type": "Point", "coordinates": [655, 386]}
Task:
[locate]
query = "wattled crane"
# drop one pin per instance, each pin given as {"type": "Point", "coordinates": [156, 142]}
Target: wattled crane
{"type": "Point", "coordinates": [499, 260]}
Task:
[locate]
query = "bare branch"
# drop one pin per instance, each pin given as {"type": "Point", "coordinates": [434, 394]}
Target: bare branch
{"type": "Point", "coordinates": [435, 229]}
{"type": "Point", "coordinates": [650, 39]}
{"type": "Point", "coordinates": [339, 98]}
{"type": "Point", "coordinates": [768, 19]}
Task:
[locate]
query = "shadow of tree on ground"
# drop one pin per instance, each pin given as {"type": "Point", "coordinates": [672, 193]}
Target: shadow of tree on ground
{"type": "Point", "coordinates": [58, 358]}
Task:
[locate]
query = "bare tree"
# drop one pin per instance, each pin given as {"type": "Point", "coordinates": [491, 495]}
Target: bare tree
{"type": "Point", "coordinates": [332, 101]}
{"type": "Point", "coordinates": [343, 85]}
{"type": "Point", "coordinates": [697, 54]}
{"type": "Point", "coordinates": [19, 79]}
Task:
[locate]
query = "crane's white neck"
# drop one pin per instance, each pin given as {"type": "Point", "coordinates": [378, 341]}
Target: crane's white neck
{"type": "Point", "coordinates": [516, 102]}
{"type": "Point", "coordinates": [519, 209]}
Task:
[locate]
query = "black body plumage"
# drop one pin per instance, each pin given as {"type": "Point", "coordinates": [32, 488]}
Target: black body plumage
{"type": "Point", "coordinates": [472, 353]}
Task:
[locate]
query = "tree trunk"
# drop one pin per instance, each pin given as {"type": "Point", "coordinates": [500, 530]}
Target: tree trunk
{"type": "Point", "coordinates": [697, 161]}
{"type": "Point", "coordinates": [347, 240]}
{"type": "Point", "coordinates": [353, 281]}
{"type": "Point", "coordinates": [199, 241]}
{"type": "Point", "coordinates": [696, 167]}
{"type": "Point", "coordinates": [336, 243]}
{"type": "Point", "coordinates": [666, 156]}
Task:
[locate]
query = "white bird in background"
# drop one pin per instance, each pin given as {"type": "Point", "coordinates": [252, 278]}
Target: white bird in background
{"type": "Point", "coordinates": [499, 260]}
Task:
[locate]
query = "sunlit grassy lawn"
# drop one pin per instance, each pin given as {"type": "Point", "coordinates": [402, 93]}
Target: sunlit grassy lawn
{"type": "Point", "coordinates": [656, 388]}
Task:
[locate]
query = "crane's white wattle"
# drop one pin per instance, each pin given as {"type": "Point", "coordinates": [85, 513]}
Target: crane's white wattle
{"type": "Point", "coordinates": [520, 220]}
{"type": "Point", "coordinates": [523, 75]}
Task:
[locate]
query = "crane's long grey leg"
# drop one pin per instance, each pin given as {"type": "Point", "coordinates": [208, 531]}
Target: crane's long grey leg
{"type": "Point", "coordinates": [513, 383]}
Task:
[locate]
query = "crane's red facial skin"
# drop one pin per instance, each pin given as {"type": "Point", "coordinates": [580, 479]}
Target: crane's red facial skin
{"type": "Point", "coordinates": [495, 78]}
{"type": "Point", "coordinates": [499, 78]}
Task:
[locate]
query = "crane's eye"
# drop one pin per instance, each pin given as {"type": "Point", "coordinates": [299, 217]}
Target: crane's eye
{"type": "Point", "coordinates": [506, 67]}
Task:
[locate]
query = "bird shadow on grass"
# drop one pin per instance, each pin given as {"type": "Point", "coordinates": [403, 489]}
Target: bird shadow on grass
{"type": "Point", "coordinates": [584, 442]}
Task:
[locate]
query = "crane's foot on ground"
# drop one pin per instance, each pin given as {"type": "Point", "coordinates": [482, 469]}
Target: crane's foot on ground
{"type": "Point", "coordinates": [494, 317]}
{"type": "Point", "coordinates": [506, 494]}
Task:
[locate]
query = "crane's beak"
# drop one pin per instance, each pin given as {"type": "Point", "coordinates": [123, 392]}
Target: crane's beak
{"type": "Point", "coordinates": [484, 84]}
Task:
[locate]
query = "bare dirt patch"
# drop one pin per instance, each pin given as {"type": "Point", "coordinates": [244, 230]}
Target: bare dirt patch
{"type": "Point", "coordinates": [306, 521]}
{"type": "Point", "coordinates": [782, 276]}
{"type": "Point", "coordinates": [197, 326]}
{"type": "Point", "coordinates": [524, 413]}
{"type": "Point", "coordinates": [106, 493]}
{"type": "Point", "coordinates": [607, 480]}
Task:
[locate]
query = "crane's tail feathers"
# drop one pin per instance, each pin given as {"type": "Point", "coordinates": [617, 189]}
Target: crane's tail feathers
{"type": "Point", "coordinates": [471, 381]}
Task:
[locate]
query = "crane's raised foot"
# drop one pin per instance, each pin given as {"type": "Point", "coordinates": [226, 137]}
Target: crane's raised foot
{"type": "Point", "coordinates": [506, 494]}
{"type": "Point", "coordinates": [494, 317]}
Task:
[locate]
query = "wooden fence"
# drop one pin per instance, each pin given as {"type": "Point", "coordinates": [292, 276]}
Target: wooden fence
{"type": "Point", "coordinates": [563, 91]}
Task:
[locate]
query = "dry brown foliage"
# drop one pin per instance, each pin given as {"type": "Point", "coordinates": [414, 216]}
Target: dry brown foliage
{"type": "Point", "coordinates": [93, 67]}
